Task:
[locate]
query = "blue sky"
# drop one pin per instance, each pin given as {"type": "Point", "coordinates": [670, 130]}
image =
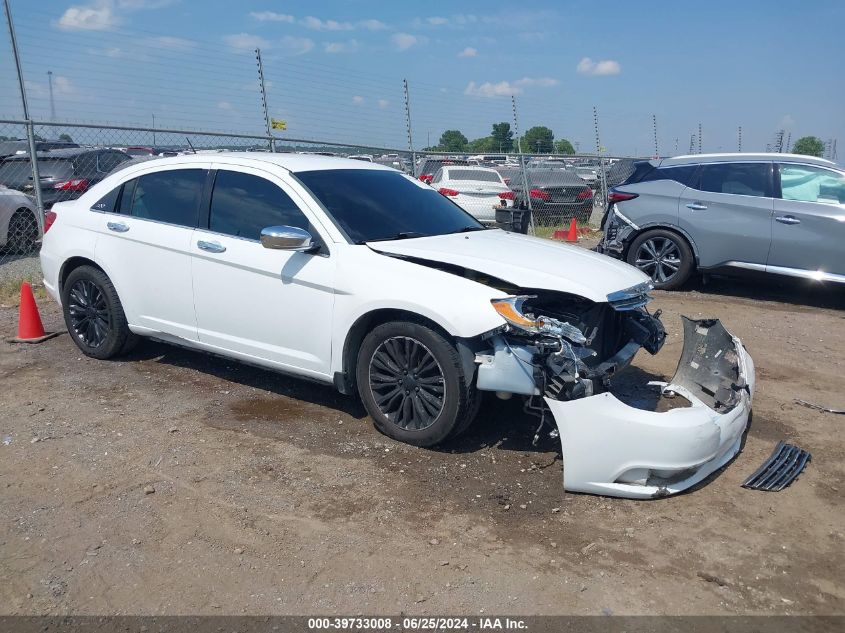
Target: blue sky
{"type": "Point", "coordinates": [335, 68]}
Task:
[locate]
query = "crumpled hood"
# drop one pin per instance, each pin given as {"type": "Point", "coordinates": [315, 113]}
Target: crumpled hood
{"type": "Point", "coordinates": [527, 262]}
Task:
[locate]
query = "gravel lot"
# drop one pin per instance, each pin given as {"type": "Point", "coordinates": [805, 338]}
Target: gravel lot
{"type": "Point", "coordinates": [173, 482]}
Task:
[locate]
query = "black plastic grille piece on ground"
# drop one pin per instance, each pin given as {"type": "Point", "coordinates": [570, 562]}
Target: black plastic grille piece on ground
{"type": "Point", "coordinates": [783, 466]}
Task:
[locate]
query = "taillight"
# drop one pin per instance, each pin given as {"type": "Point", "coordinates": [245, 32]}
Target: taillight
{"type": "Point", "coordinates": [49, 218]}
{"type": "Point", "coordinates": [539, 194]}
{"type": "Point", "coordinates": [77, 184]}
{"type": "Point", "coordinates": [447, 192]}
{"type": "Point", "coordinates": [585, 194]}
{"type": "Point", "coordinates": [507, 195]}
{"type": "Point", "coordinates": [427, 178]}
{"type": "Point", "coordinates": [620, 196]}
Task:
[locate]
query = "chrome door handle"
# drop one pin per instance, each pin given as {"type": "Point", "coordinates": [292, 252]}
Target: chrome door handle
{"type": "Point", "coordinates": [211, 247]}
{"type": "Point", "coordinates": [787, 219]}
{"type": "Point", "coordinates": [696, 206]}
{"type": "Point", "coordinates": [118, 227]}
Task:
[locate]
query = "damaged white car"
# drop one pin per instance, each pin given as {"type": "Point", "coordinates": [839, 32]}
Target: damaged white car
{"type": "Point", "coordinates": [356, 275]}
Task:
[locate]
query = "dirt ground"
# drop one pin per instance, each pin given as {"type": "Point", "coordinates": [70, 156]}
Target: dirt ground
{"type": "Point", "coordinates": [170, 482]}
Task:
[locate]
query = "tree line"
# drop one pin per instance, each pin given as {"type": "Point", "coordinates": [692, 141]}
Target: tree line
{"type": "Point", "coordinates": [536, 140]}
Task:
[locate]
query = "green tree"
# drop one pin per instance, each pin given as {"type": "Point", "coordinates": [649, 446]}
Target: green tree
{"type": "Point", "coordinates": [563, 146]}
{"type": "Point", "coordinates": [66, 138]}
{"type": "Point", "coordinates": [809, 146]}
{"type": "Point", "coordinates": [483, 145]}
{"type": "Point", "coordinates": [502, 137]}
{"type": "Point", "coordinates": [452, 141]}
{"type": "Point", "coordinates": [538, 140]}
{"type": "Point", "coordinates": [37, 137]}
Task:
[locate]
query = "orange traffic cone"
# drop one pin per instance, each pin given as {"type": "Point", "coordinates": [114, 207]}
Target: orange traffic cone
{"type": "Point", "coordinates": [572, 236]}
{"type": "Point", "coordinates": [30, 328]}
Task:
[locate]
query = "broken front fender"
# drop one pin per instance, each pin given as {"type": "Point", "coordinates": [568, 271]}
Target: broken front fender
{"type": "Point", "coordinates": [614, 449]}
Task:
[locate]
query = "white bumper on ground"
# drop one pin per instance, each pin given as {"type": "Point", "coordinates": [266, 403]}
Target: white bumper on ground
{"type": "Point", "coordinates": [611, 448]}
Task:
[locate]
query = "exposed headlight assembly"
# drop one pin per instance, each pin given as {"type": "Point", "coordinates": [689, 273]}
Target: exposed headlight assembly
{"type": "Point", "coordinates": [510, 309]}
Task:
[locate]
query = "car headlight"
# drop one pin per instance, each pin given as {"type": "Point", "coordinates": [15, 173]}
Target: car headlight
{"type": "Point", "coordinates": [510, 309]}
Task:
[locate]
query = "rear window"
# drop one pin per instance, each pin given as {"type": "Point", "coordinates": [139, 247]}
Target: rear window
{"type": "Point", "coordinates": [742, 179]}
{"type": "Point", "coordinates": [480, 175]}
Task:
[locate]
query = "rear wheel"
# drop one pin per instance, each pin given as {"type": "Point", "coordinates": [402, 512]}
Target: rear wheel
{"type": "Point", "coordinates": [412, 383]}
{"type": "Point", "coordinates": [664, 256]}
{"type": "Point", "coordinates": [23, 232]}
{"type": "Point", "coordinates": [94, 315]}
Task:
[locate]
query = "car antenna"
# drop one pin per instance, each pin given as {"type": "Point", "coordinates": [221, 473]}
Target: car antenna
{"type": "Point", "coordinates": [190, 145]}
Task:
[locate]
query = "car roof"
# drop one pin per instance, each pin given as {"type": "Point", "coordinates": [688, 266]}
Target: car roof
{"type": "Point", "coordinates": [732, 157]}
{"type": "Point", "coordinates": [288, 161]}
{"type": "Point", "coordinates": [469, 168]}
{"type": "Point", "coordinates": [63, 153]}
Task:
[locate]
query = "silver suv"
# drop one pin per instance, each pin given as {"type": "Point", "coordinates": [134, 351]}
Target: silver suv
{"type": "Point", "coordinates": [775, 213]}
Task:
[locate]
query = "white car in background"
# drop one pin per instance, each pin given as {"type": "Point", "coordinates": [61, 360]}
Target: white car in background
{"type": "Point", "coordinates": [477, 190]}
{"type": "Point", "coordinates": [358, 276]}
{"type": "Point", "coordinates": [18, 224]}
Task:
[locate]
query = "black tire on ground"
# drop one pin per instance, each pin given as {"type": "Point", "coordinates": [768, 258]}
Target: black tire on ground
{"type": "Point", "coordinates": [94, 315]}
{"type": "Point", "coordinates": [23, 232]}
{"type": "Point", "coordinates": [664, 256]}
{"type": "Point", "coordinates": [412, 383]}
{"type": "Point", "coordinates": [524, 222]}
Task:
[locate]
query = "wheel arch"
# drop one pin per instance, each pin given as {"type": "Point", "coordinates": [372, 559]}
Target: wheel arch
{"type": "Point", "coordinates": [664, 227]}
{"type": "Point", "coordinates": [344, 380]}
{"type": "Point", "coordinates": [71, 264]}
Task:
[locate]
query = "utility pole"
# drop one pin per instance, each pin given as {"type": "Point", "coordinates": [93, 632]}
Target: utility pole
{"type": "Point", "coordinates": [654, 125]}
{"type": "Point", "coordinates": [739, 139]}
{"type": "Point", "coordinates": [828, 148]}
{"type": "Point", "coordinates": [699, 137]}
{"type": "Point", "coordinates": [600, 151]}
{"type": "Point", "coordinates": [30, 130]}
{"type": "Point", "coordinates": [779, 142]}
{"type": "Point", "coordinates": [268, 127]}
{"type": "Point", "coordinates": [788, 142]}
{"type": "Point", "coordinates": [834, 150]}
{"type": "Point", "coordinates": [408, 125]}
{"type": "Point", "coordinates": [52, 102]}
{"type": "Point", "coordinates": [522, 168]}
{"type": "Point", "coordinates": [676, 146]}
{"type": "Point", "coordinates": [692, 143]}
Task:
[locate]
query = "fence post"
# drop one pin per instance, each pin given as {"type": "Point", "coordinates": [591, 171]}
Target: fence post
{"type": "Point", "coordinates": [268, 127]}
{"type": "Point", "coordinates": [525, 189]}
{"type": "Point", "coordinates": [30, 130]}
{"type": "Point", "coordinates": [408, 125]}
{"type": "Point", "coordinates": [600, 152]}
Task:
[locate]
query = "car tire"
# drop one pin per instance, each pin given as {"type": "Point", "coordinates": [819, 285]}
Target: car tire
{"type": "Point", "coordinates": [664, 256]}
{"type": "Point", "coordinates": [412, 383]}
{"type": "Point", "coordinates": [94, 314]}
{"type": "Point", "coordinates": [23, 232]}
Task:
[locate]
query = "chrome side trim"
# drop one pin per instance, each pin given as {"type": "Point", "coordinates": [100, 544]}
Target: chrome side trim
{"type": "Point", "coordinates": [815, 275]}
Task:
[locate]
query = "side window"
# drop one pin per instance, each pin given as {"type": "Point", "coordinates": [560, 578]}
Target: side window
{"type": "Point", "coordinates": [243, 204]}
{"type": "Point", "coordinates": [169, 196]}
{"type": "Point", "coordinates": [683, 174]}
{"type": "Point", "coordinates": [437, 177]}
{"type": "Point", "coordinates": [107, 202]}
{"type": "Point", "coordinates": [811, 184]}
{"type": "Point", "coordinates": [743, 179]}
{"type": "Point", "coordinates": [109, 160]}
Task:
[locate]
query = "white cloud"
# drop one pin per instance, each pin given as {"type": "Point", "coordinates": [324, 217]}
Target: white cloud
{"type": "Point", "coordinates": [225, 105]}
{"type": "Point", "coordinates": [134, 5]}
{"type": "Point", "coordinates": [166, 41]}
{"type": "Point", "coordinates": [271, 16]}
{"type": "Point", "coordinates": [469, 51]}
{"type": "Point", "coordinates": [437, 21]}
{"type": "Point", "coordinates": [296, 45]}
{"type": "Point", "coordinates": [404, 41]}
{"type": "Point", "coordinates": [245, 41]}
{"type": "Point", "coordinates": [383, 103]}
{"type": "Point", "coordinates": [507, 88]}
{"type": "Point", "coordinates": [62, 85]}
{"type": "Point", "coordinates": [604, 67]}
{"type": "Point", "coordinates": [786, 122]}
{"type": "Point", "coordinates": [317, 24]}
{"type": "Point", "coordinates": [95, 17]}
{"type": "Point", "coordinates": [358, 100]}
{"type": "Point", "coordinates": [341, 47]}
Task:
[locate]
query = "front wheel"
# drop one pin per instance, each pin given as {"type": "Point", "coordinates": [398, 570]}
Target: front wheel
{"type": "Point", "coordinates": [412, 383]}
{"type": "Point", "coordinates": [664, 256]}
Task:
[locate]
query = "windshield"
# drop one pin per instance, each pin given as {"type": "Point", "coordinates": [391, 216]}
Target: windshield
{"type": "Point", "coordinates": [371, 205]}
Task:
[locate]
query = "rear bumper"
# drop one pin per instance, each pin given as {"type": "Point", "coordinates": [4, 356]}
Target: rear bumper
{"type": "Point", "coordinates": [611, 448]}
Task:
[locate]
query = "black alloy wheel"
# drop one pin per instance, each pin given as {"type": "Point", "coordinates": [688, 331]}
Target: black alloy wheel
{"type": "Point", "coordinates": [407, 383]}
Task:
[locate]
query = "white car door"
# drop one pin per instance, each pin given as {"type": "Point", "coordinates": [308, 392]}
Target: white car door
{"type": "Point", "coordinates": [144, 238]}
{"type": "Point", "coordinates": [269, 306]}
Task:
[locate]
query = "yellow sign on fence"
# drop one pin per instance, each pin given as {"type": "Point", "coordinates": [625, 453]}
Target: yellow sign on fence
{"type": "Point", "coordinates": [278, 124]}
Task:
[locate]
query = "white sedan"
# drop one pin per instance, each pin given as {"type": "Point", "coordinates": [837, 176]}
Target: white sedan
{"type": "Point", "coordinates": [477, 190]}
{"type": "Point", "coordinates": [356, 275]}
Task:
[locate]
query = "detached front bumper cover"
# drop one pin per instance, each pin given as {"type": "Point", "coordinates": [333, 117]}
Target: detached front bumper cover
{"type": "Point", "coordinates": [611, 448]}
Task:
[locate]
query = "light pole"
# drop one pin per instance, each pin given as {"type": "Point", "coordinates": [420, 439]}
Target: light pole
{"type": "Point", "coordinates": [52, 103]}
{"type": "Point", "coordinates": [154, 129]}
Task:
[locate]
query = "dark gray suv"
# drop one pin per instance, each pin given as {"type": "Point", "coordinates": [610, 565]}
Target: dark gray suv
{"type": "Point", "coordinates": [775, 213]}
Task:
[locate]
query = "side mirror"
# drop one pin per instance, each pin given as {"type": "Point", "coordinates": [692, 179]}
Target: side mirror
{"type": "Point", "coordinates": [286, 238]}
